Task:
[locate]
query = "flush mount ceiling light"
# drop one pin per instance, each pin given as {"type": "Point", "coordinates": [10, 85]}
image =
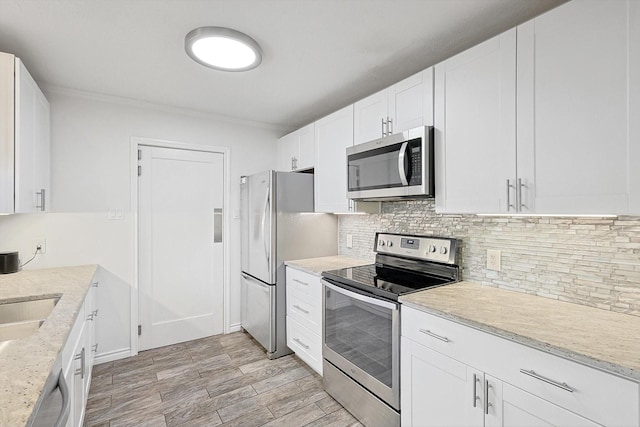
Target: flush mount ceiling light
{"type": "Point", "coordinates": [223, 49]}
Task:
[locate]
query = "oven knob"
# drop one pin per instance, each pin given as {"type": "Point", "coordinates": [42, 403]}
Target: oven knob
{"type": "Point", "coordinates": [443, 250]}
{"type": "Point", "coordinates": [432, 248]}
{"type": "Point", "coordinates": [381, 243]}
{"type": "Point", "coordinates": [389, 243]}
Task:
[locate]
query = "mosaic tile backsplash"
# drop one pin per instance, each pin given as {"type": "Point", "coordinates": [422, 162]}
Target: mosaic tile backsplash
{"type": "Point", "coordinates": [589, 261]}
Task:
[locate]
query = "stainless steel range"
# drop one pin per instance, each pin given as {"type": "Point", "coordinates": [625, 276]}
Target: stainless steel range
{"type": "Point", "coordinates": [361, 321]}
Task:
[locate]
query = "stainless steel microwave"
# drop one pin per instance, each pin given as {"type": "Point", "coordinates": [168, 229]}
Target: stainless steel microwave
{"type": "Point", "coordinates": [393, 167]}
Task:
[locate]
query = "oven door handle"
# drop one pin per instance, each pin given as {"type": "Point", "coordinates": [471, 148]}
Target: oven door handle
{"type": "Point", "coordinates": [363, 298]}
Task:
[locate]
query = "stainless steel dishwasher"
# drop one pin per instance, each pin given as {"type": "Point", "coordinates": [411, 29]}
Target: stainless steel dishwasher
{"type": "Point", "coordinates": [54, 404]}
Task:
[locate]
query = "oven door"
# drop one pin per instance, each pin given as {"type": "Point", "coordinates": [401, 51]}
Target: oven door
{"type": "Point", "coordinates": [361, 336]}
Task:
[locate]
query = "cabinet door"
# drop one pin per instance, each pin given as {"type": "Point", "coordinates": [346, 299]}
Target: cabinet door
{"type": "Point", "coordinates": [475, 127]}
{"type": "Point", "coordinates": [573, 109]}
{"type": "Point", "coordinates": [411, 102]}
{"type": "Point", "coordinates": [31, 144]}
{"type": "Point", "coordinates": [368, 116]}
{"type": "Point", "coordinates": [334, 134]}
{"type": "Point", "coordinates": [7, 95]}
{"type": "Point", "coordinates": [437, 390]}
{"type": "Point", "coordinates": [287, 151]}
{"type": "Point", "coordinates": [306, 147]}
{"type": "Point", "coordinates": [521, 409]}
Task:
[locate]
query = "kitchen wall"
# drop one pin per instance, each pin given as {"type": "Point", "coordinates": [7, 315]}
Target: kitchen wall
{"type": "Point", "coordinates": [90, 173]}
{"type": "Point", "coordinates": [590, 261]}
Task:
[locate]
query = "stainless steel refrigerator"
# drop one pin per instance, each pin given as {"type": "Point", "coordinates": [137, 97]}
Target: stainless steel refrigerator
{"type": "Point", "coordinates": [278, 224]}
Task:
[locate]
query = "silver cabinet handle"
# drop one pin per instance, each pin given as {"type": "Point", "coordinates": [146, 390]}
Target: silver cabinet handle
{"type": "Point", "coordinates": [306, 347]}
{"type": "Point", "coordinates": [509, 187]}
{"type": "Point", "coordinates": [383, 132]}
{"type": "Point", "coordinates": [90, 317]}
{"type": "Point", "coordinates": [563, 386]}
{"type": "Point", "coordinates": [301, 309]}
{"type": "Point", "coordinates": [95, 284]}
{"type": "Point", "coordinates": [389, 126]}
{"type": "Point", "coordinates": [41, 193]}
{"type": "Point", "coordinates": [436, 336]}
{"type": "Point", "coordinates": [300, 282]}
{"type": "Point", "coordinates": [486, 397]}
{"type": "Point", "coordinates": [95, 312]}
{"type": "Point", "coordinates": [94, 348]}
{"type": "Point", "coordinates": [521, 204]}
{"type": "Point", "coordinates": [80, 356]}
{"type": "Point", "coordinates": [476, 380]}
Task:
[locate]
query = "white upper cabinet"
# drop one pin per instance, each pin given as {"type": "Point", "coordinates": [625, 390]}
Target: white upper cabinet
{"type": "Point", "coordinates": [573, 109]}
{"type": "Point", "coordinates": [24, 140]}
{"type": "Point", "coordinates": [405, 105]}
{"type": "Point", "coordinates": [333, 134]}
{"type": "Point", "coordinates": [554, 135]}
{"type": "Point", "coordinates": [296, 151]}
{"type": "Point", "coordinates": [475, 127]}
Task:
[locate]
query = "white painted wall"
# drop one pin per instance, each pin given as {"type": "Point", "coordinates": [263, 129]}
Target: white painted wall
{"type": "Point", "coordinates": [90, 171]}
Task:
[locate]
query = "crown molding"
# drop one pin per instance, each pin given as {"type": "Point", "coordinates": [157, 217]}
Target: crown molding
{"type": "Point", "coordinates": [132, 102]}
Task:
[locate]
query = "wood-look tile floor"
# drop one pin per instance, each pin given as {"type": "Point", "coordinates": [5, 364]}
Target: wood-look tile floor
{"type": "Point", "coordinates": [223, 380]}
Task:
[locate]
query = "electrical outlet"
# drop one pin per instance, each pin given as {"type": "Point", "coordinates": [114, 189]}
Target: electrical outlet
{"type": "Point", "coordinates": [39, 245]}
{"type": "Point", "coordinates": [349, 240]}
{"type": "Point", "coordinates": [494, 259]}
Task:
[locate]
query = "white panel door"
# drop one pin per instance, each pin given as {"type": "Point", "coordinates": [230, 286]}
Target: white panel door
{"type": "Point", "coordinates": [437, 390]}
{"type": "Point", "coordinates": [181, 258]}
{"type": "Point", "coordinates": [334, 134]}
{"type": "Point", "coordinates": [573, 106]}
{"type": "Point", "coordinates": [369, 114]}
{"type": "Point", "coordinates": [407, 102]}
{"type": "Point", "coordinates": [475, 127]}
{"type": "Point", "coordinates": [32, 144]}
{"type": "Point", "coordinates": [521, 409]}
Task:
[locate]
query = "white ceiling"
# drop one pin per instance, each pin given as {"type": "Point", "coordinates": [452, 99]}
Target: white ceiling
{"type": "Point", "coordinates": [319, 55]}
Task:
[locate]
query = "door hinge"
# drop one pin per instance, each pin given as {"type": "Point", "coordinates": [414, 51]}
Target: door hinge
{"type": "Point", "coordinates": [139, 329]}
{"type": "Point", "coordinates": [139, 170]}
{"type": "Point", "coordinates": [139, 154]}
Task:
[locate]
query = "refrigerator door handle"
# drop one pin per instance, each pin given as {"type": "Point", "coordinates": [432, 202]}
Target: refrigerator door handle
{"type": "Point", "coordinates": [264, 239]}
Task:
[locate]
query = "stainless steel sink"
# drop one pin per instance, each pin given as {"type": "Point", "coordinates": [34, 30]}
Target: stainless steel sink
{"type": "Point", "coordinates": [21, 319]}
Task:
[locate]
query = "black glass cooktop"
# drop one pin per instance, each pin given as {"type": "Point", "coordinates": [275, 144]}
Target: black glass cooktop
{"type": "Point", "coordinates": [384, 281]}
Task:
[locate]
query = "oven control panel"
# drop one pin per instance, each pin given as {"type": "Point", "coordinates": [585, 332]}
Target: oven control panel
{"type": "Point", "coordinates": [438, 249]}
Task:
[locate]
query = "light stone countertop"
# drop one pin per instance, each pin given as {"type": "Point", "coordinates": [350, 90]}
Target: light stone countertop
{"type": "Point", "coordinates": [317, 265]}
{"type": "Point", "coordinates": [598, 338]}
{"type": "Point", "coordinates": [26, 363]}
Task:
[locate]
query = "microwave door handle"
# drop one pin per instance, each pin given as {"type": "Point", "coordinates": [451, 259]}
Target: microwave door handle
{"type": "Point", "coordinates": [401, 163]}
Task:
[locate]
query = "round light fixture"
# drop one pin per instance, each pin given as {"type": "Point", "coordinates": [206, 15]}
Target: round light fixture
{"type": "Point", "coordinates": [223, 49]}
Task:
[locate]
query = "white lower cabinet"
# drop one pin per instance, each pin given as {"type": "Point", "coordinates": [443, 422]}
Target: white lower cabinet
{"type": "Point", "coordinates": [454, 375]}
{"type": "Point", "coordinates": [304, 316]}
{"type": "Point", "coordinates": [77, 357]}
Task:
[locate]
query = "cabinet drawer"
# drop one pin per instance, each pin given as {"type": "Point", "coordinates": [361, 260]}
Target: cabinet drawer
{"type": "Point", "coordinates": [591, 393]}
{"type": "Point", "coordinates": [304, 283]}
{"type": "Point", "coordinates": [304, 310]}
{"type": "Point", "coordinates": [436, 333]}
{"type": "Point", "coordinates": [306, 344]}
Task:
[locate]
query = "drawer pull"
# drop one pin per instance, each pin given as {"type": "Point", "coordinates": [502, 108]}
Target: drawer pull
{"type": "Point", "coordinates": [563, 386]}
{"type": "Point", "coordinates": [486, 397]}
{"type": "Point", "coordinates": [301, 282]}
{"type": "Point", "coordinates": [95, 284]}
{"type": "Point", "coordinates": [436, 336]}
{"type": "Point", "coordinates": [306, 347]}
{"type": "Point", "coordinates": [301, 309]}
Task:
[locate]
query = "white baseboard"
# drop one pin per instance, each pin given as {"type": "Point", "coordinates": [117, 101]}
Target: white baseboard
{"type": "Point", "coordinates": [234, 328]}
{"type": "Point", "coordinates": [112, 355]}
